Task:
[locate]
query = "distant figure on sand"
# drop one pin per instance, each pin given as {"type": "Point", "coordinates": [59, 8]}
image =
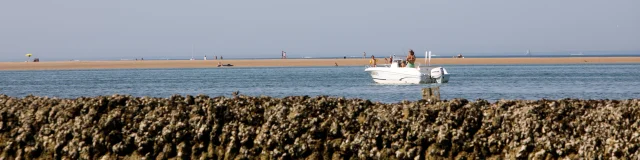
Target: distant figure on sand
{"type": "Point", "coordinates": [216, 57]}
{"type": "Point", "coordinates": [205, 57]}
{"type": "Point", "coordinates": [336, 64]}
{"type": "Point", "coordinates": [364, 55]}
{"type": "Point", "coordinates": [220, 57]}
{"type": "Point", "coordinates": [373, 61]}
{"type": "Point", "coordinates": [226, 65]}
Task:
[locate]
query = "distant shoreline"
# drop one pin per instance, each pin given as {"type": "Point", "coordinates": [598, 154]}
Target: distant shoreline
{"type": "Point", "coordinates": [342, 57]}
{"type": "Point", "coordinates": [146, 64]}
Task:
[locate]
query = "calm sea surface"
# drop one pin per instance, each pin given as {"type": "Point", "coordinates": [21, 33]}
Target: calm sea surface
{"type": "Point", "coordinates": [491, 82]}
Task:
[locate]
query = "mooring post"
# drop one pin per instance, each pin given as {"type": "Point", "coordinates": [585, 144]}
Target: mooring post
{"type": "Point", "coordinates": [431, 94]}
{"type": "Point", "coordinates": [426, 93]}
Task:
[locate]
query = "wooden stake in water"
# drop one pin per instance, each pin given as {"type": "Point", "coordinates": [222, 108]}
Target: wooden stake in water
{"type": "Point", "coordinates": [431, 94]}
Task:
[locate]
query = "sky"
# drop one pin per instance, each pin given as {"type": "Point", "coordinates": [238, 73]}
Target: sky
{"type": "Point", "coordinates": [125, 29]}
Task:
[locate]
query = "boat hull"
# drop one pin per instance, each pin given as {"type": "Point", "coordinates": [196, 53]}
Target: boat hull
{"type": "Point", "coordinates": [387, 75]}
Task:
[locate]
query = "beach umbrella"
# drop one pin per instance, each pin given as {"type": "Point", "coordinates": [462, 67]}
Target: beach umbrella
{"type": "Point", "coordinates": [28, 56]}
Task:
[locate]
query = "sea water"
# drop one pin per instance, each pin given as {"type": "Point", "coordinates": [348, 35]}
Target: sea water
{"type": "Point", "coordinates": [490, 82]}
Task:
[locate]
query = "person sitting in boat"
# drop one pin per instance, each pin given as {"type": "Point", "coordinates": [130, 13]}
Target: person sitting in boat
{"type": "Point", "coordinates": [403, 64]}
{"type": "Point", "coordinates": [373, 61]}
{"type": "Point", "coordinates": [411, 59]}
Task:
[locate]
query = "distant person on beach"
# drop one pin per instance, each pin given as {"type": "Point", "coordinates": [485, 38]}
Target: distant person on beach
{"type": "Point", "coordinates": [336, 64]}
{"type": "Point", "coordinates": [345, 57]}
{"type": "Point", "coordinates": [411, 59]}
{"type": "Point", "coordinates": [142, 59]}
{"type": "Point", "coordinates": [220, 57]}
{"type": "Point", "coordinates": [373, 61]}
{"type": "Point", "coordinates": [216, 57]}
{"type": "Point", "coordinates": [364, 55]}
{"type": "Point", "coordinates": [205, 57]}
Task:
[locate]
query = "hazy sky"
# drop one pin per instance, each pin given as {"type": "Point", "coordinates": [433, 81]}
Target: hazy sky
{"type": "Point", "coordinates": [80, 29]}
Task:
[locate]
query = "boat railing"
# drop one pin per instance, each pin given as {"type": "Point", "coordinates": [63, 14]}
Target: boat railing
{"type": "Point", "coordinates": [378, 65]}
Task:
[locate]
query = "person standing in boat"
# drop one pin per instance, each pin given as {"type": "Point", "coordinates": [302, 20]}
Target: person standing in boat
{"type": "Point", "coordinates": [373, 61]}
{"type": "Point", "coordinates": [411, 59]}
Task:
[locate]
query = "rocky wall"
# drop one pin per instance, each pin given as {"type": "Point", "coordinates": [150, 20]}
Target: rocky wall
{"type": "Point", "coordinates": [302, 127]}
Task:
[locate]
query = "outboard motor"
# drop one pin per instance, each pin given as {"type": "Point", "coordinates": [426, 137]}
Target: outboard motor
{"type": "Point", "coordinates": [436, 72]}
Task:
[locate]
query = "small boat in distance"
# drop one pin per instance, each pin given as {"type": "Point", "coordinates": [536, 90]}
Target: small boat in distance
{"type": "Point", "coordinates": [396, 74]}
{"type": "Point", "coordinates": [577, 54]}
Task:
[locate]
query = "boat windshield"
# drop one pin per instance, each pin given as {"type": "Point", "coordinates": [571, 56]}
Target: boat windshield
{"type": "Point", "coordinates": [399, 57]}
{"type": "Point", "coordinates": [398, 62]}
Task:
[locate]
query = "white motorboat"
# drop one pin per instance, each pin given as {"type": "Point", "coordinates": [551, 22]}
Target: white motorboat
{"type": "Point", "coordinates": [395, 74]}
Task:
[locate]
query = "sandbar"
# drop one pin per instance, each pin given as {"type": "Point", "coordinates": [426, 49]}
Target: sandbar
{"type": "Point", "coordinates": [130, 64]}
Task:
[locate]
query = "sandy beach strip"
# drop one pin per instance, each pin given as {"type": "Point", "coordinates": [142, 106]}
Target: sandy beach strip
{"type": "Point", "coordinates": [74, 65]}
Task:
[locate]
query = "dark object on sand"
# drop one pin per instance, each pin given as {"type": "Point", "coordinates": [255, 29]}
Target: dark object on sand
{"type": "Point", "coordinates": [225, 65]}
{"type": "Point", "coordinates": [36, 60]}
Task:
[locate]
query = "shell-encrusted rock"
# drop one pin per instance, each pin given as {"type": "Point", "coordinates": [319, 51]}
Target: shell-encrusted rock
{"type": "Point", "coordinates": [323, 127]}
